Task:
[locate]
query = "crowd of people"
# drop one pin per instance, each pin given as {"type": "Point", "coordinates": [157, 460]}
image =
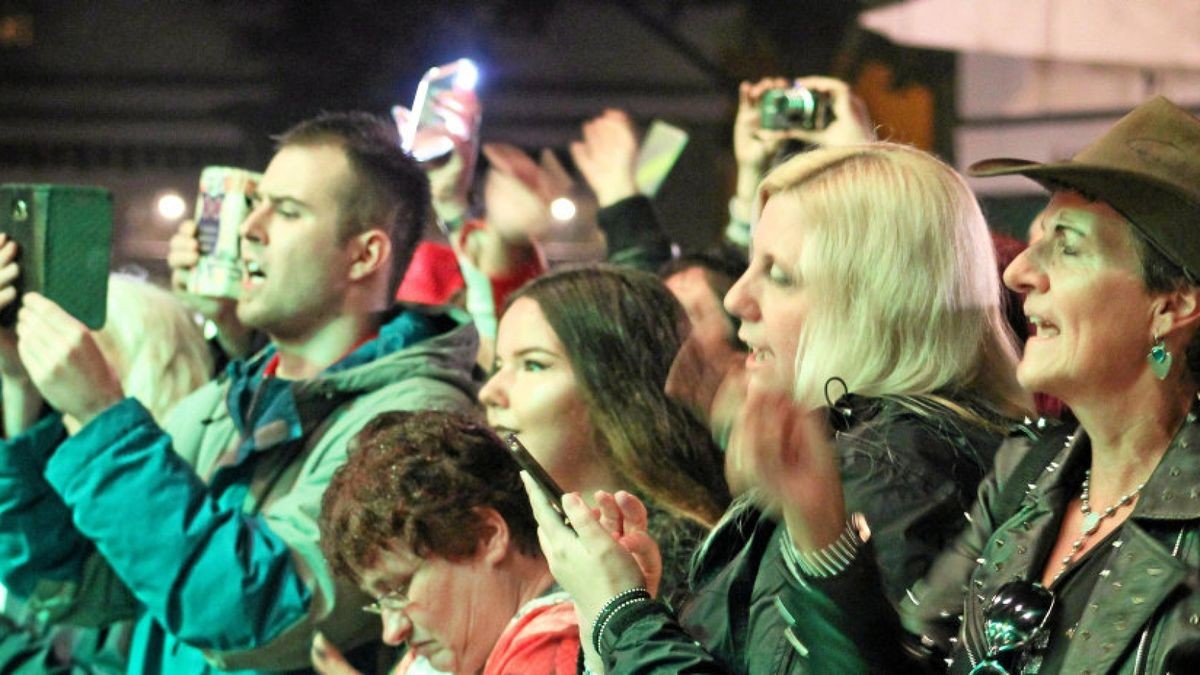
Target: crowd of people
{"type": "Point", "coordinates": [811, 447]}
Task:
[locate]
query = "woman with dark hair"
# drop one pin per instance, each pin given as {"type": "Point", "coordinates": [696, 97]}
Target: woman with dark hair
{"type": "Point", "coordinates": [428, 517]}
{"type": "Point", "coordinates": [581, 362]}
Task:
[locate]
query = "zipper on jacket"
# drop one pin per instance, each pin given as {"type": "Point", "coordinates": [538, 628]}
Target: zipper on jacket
{"type": "Point", "coordinates": [1139, 663]}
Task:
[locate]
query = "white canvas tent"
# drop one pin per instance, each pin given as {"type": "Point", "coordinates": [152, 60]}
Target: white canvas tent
{"type": "Point", "coordinates": [1038, 79]}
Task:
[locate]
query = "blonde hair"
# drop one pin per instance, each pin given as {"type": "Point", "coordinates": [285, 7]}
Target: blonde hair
{"type": "Point", "coordinates": [153, 344]}
{"type": "Point", "coordinates": [907, 295]}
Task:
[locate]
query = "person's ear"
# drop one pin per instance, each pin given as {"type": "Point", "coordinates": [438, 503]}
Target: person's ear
{"type": "Point", "coordinates": [371, 251]}
{"type": "Point", "coordinates": [1177, 312]}
{"type": "Point", "coordinates": [494, 536]}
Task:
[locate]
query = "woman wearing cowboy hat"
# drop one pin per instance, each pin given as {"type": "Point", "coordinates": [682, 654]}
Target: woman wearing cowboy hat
{"type": "Point", "coordinates": [1082, 553]}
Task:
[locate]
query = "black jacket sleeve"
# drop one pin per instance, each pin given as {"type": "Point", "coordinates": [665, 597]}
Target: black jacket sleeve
{"type": "Point", "coordinates": [635, 236]}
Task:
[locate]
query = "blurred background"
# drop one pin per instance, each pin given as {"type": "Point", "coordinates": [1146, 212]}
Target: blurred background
{"type": "Point", "coordinates": [138, 96]}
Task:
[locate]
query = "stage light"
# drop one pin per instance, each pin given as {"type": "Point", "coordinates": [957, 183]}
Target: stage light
{"type": "Point", "coordinates": [171, 206]}
{"type": "Point", "coordinates": [563, 209]}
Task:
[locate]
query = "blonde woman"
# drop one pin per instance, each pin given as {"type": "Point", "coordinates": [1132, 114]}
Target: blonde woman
{"type": "Point", "coordinates": [872, 293]}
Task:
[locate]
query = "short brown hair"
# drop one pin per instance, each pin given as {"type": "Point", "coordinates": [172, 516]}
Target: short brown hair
{"type": "Point", "coordinates": [391, 191]}
{"type": "Point", "coordinates": [418, 479]}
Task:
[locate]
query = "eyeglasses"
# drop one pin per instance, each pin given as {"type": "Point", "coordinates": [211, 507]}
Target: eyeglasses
{"type": "Point", "coordinates": [392, 601]}
{"type": "Point", "coordinates": [1015, 617]}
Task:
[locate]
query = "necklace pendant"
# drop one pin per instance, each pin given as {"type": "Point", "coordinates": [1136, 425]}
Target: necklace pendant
{"type": "Point", "coordinates": [1091, 521]}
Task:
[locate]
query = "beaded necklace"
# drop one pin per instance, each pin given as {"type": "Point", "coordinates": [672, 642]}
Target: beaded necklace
{"type": "Point", "coordinates": [1092, 520]}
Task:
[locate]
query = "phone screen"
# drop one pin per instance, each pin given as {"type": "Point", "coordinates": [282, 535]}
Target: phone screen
{"type": "Point", "coordinates": [536, 472]}
{"type": "Point", "coordinates": [661, 147]}
{"type": "Point", "coordinates": [426, 135]}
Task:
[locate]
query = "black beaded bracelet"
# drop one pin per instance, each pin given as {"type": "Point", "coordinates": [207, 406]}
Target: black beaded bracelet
{"type": "Point", "coordinates": [616, 602]}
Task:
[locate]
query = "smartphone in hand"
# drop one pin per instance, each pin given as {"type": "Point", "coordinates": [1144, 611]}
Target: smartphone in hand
{"type": "Point", "coordinates": [530, 465]}
{"type": "Point", "coordinates": [427, 132]}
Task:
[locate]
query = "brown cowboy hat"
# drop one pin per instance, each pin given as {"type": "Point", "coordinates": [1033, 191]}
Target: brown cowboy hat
{"type": "Point", "coordinates": [1147, 167]}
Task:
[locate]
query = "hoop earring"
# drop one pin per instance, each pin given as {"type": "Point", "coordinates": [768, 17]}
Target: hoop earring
{"type": "Point", "coordinates": [1159, 359]}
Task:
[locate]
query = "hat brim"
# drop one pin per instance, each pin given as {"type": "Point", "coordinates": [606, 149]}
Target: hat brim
{"type": "Point", "coordinates": [1155, 208]}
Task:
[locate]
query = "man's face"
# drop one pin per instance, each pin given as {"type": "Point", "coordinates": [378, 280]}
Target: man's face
{"type": "Point", "coordinates": [297, 266]}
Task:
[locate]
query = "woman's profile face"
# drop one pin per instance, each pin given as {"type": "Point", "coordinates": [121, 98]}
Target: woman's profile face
{"type": "Point", "coordinates": [534, 394]}
{"type": "Point", "coordinates": [771, 298]}
{"type": "Point", "coordinates": [446, 615]}
{"type": "Point", "coordinates": [1085, 299]}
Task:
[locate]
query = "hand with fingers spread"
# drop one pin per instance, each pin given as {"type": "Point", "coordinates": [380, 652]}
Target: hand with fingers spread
{"type": "Point", "coordinates": [607, 156]}
{"type": "Point", "coordinates": [783, 449]}
{"type": "Point", "coordinates": [588, 561]}
{"type": "Point", "coordinates": [63, 360]}
{"type": "Point", "coordinates": [626, 519]}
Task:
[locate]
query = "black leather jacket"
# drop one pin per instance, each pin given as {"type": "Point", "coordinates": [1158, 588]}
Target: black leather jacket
{"type": "Point", "coordinates": [1143, 616]}
{"type": "Point", "coordinates": [911, 467]}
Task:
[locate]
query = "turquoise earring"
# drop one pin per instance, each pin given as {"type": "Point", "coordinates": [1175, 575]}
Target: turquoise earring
{"type": "Point", "coordinates": [1159, 359]}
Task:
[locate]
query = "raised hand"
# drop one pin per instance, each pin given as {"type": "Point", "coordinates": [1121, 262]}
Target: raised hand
{"type": "Point", "coordinates": [784, 451]}
{"type": "Point", "coordinates": [750, 148]}
{"type": "Point", "coordinates": [607, 155]}
{"type": "Point", "coordinates": [450, 179]}
{"type": "Point", "coordinates": [626, 519]}
{"type": "Point", "coordinates": [183, 254]}
{"type": "Point", "coordinates": [851, 124]}
{"type": "Point", "coordinates": [588, 562]}
{"type": "Point", "coordinates": [63, 360]}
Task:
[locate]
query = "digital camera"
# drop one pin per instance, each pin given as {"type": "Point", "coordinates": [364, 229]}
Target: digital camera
{"type": "Point", "coordinates": [796, 108]}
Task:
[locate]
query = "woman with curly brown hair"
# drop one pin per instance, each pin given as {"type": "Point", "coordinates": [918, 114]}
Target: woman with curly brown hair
{"type": "Point", "coordinates": [428, 517]}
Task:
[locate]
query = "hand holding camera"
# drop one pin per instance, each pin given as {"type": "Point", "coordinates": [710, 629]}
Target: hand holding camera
{"type": "Point", "coordinates": [751, 150]}
{"type": "Point", "coordinates": [818, 110]}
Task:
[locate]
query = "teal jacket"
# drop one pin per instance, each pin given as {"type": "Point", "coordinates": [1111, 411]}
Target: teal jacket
{"type": "Point", "coordinates": [204, 530]}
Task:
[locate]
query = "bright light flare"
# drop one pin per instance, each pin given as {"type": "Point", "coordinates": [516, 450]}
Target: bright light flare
{"type": "Point", "coordinates": [562, 209]}
{"type": "Point", "coordinates": [467, 76]}
{"type": "Point", "coordinates": [171, 206]}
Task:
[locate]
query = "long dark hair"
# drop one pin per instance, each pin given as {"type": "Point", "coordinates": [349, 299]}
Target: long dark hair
{"type": "Point", "coordinates": [621, 329]}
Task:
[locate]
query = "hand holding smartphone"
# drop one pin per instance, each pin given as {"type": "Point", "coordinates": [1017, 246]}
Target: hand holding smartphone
{"type": "Point", "coordinates": [429, 130]}
{"type": "Point", "coordinates": [530, 465]}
